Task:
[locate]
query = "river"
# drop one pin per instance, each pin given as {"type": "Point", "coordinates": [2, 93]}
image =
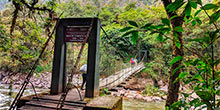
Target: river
{"type": "Point", "coordinates": [7, 95]}
{"type": "Point", "coordinates": [128, 104]}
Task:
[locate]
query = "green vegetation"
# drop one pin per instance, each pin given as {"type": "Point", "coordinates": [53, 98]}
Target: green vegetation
{"type": "Point", "coordinates": [152, 91]}
{"type": "Point", "coordinates": [30, 33]}
{"type": "Point", "coordinates": [183, 39]}
{"type": "Point", "coordinates": [199, 67]}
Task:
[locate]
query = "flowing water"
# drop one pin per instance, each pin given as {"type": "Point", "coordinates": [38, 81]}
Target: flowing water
{"type": "Point", "coordinates": [6, 97]}
{"type": "Point", "coordinates": [4, 101]}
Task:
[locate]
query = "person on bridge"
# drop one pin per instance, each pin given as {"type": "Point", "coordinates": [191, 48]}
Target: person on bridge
{"type": "Point", "coordinates": [133, 61]}
{"type": "Point", "coordinates": [83, 69]}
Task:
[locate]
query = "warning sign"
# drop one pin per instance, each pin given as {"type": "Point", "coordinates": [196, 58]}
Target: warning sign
{"type": "Point", "coordinates": [76, 34]}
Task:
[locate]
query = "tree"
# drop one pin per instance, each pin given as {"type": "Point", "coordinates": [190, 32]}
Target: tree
{"type": "Point", "coordinates": [205, 77]}
{"type": "Point", "coordinates": [173, 22]}
{"type": "Point", "coordinates": [177, 52]}
{"type": "Point", "coordinates": [178, 17]}
{"type": "Point", "coordinates": [21, 44]}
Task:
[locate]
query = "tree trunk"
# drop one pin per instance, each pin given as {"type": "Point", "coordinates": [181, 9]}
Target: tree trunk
{"type": "Point", "coordinates": [173, 88]}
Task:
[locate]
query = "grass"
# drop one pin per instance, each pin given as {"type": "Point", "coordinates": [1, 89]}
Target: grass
{"type": "Point", "coordinates": [150, 90]}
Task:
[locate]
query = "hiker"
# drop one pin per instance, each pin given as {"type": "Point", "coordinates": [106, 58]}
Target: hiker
{"type": "Point", "coordinates": [133, 61]}
{"type": "Point", "coordinates": [83, 69]}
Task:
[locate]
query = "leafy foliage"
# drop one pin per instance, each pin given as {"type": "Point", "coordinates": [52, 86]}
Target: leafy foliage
{"type": "Point", "coordinates": [21, 47]}
{"type": "Point", "coordinates": [144, 27]}
{"type": "Point", "coordinates": [199, 67]}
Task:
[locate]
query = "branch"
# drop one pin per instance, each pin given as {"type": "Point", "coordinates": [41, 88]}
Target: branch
{"type": "Point", "coordinates": [18, 58]}
{"type": "Point", "coordinates": [166, 3]}
{"type": "Point", "coordinates": [209, 17]}
{"type": "Point", "coordinates": [15, 16]}
{"type": "Point", "coordinates": [35, 8]}
{"type": "Point", "coordinates": [190, 50]}
{"type": "Point", "coordinates": [22, 29]}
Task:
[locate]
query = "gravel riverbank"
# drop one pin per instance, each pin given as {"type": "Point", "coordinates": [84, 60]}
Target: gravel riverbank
{"type": "Point", "coordinates": [132, 89]}
{"type": "Point", "coordinates": [42, 80]}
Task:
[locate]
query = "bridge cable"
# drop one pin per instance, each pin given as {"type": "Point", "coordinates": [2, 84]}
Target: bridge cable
{"type": "Point", "coordinates": [73, 71]}
{"type": "Point", "coordinates": [115, 48]}
{"type": "Point", "coordinates": [143, 57]}
{"type": "Point", "coordinates": [111, 43]}
{"type": "Point", "coordinates": [28, 77]}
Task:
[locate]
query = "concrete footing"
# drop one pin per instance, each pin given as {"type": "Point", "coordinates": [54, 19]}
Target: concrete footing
{"type": "Point", "coordinates": [104, 103]}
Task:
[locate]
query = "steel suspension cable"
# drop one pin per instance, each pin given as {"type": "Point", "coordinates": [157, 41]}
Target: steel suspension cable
{"type": "Point", "coordinates": [142, 59]}
{"type": "Point", "coordinates": [111, 43]}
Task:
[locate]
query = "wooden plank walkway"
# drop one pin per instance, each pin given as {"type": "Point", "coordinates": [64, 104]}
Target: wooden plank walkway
{"type": "Point", "coordinates": [120, 76]}
{"type": "Point", "coordinates": [49, 102]}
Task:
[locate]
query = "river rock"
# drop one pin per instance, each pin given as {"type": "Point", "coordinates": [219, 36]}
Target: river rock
{"type": "Point", "coordinates": [147, 98]}
{"type": "Point", "coordinates": [6, 80]}
{"type": "Point", "coordinates": [164, 97]}
{"type": "Point", "coordinates": [164, 88]}
{"type": "Point", "coordinates": [155, 98]}
{"type": "Point", "coordinates": [133, 92]}
{"type": "Point", "coordinates": [139, 96]}
{"type": "Point", "coordinates": [16, 86]}
{"type": "Point", "coordinates": [129, 96]}
{"type": "Point", "coordinates": [37, 82]}
{"type": "Point", "coordinates": [160, 83]}
{"type": "Point", "coordinates": [114, 93]}
{"type": "Point", "coordinates": [123, 92]}
{"type": "Point", "coordinates": [126, 94]}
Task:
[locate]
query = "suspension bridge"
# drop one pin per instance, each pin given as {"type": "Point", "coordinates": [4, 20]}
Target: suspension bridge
{"type": "Point", "coordinates": [73, 101]}
{"type": "Point", "coordinates": [63, 93]}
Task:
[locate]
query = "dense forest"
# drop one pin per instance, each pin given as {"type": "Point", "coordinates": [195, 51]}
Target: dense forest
{"type": "Point", "coordinates": [113, 19]}
{"type": "Point", "coordinates": [182, 38]}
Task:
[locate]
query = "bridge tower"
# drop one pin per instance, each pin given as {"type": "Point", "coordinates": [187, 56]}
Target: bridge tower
{"type": "Point", "coordinates": [74, 30]}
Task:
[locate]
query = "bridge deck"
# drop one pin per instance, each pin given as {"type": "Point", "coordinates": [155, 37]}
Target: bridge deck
{"type": "Point", "coordinates": [49, 102]}
{"type": "Point", "coordinates": [120, 76]}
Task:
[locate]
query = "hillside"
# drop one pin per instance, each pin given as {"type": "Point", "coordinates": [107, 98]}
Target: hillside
{"type": "Point", "coordinates": [120, 3]}
{"type": "Point", "coordinates": [102, 3]}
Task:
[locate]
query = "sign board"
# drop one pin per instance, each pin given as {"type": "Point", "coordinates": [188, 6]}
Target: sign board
{"type": "Point", "coordinates": [76, 33]}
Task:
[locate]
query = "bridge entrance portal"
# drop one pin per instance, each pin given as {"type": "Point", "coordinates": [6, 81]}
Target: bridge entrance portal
{"type": "Point", "coordinates": [75, 30]}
